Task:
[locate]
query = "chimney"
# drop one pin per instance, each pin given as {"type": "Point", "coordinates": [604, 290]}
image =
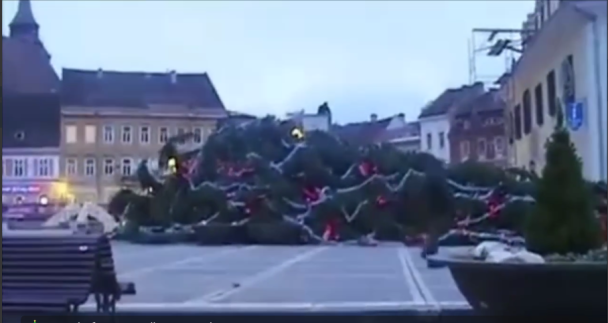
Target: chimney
{"type": "Point", "coordinates": [373, 117]}
{"type": "Point", "coordinates": [173, 76]}
{"type": "Point", "coordinates": [401, 117]}
{"type": "Point", "coordinates": [99, 73]}
{"type": "Point", "coordinates": [478, 88]}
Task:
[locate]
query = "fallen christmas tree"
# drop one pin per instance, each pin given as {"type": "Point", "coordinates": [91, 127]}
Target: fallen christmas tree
{"type": "Point", "coordinates": [266, 182]}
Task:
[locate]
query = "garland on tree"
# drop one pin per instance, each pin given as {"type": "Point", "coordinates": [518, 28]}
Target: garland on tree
{"type": "Point", "coordinates": [275, 181]}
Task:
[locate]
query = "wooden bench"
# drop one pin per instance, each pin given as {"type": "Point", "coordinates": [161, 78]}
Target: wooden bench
{"type": "Point", "coordinates": [58, 272]}
{"type": "Point", "coordinates": [47, 274]}
{"type": "Point", "coordinates": [108, 290]}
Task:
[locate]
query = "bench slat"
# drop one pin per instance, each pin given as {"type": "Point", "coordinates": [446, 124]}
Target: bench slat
{"type": "Point", "coordinates": [48, 278]}
{"type": "Point", "coordinates": [53, 272]}
{"type": "Point", "coordinates": [57, 271]}
{"type": "Point", "coordinates": [41, 285]}
{"type": "Point", "coordinates": [48, 274]}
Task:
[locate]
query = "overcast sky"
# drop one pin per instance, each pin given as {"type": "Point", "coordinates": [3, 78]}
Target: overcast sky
{"type": "Point", "coordinates": [278, 56]}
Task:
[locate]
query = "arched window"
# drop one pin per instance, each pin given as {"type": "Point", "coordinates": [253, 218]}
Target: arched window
{"type": "Point", "coordinates": [518, 122]}
{"type": "Point", "coordinates": [527, 105]}
{"type": "Point", "coordinates": [551, 94]}
{"type": "Point", "coordinates": [511, 127]}
{"type": "Point", "coordinates": [540, 104]}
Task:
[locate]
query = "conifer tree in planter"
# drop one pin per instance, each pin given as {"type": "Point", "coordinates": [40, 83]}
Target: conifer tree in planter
{"type": "Point", "coordinates": [563, 230]}
{"type": "Point", "coordinates": [563, 221]}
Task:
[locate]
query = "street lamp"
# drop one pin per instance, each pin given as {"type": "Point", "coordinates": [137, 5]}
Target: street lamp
{"type": "Point", "coordinates": [43, 200]}
{"type": "Point", "coordinates": [172, 165]}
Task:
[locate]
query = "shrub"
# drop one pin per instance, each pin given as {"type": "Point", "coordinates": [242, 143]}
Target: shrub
{"type": "Point", "coordinates": [563, 219]}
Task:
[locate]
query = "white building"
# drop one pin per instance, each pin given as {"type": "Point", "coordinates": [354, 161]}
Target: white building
{"type": "Point", "coordinates": [311, 121]}
{"type": "Point", "coordinates": [434, 132]}
{"type": "Point", "coordinates": [563, 64]}
{"type": "Point", "coordinates": [435, 120]}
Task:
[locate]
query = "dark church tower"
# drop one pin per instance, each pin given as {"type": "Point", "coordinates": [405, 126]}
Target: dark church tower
{"type": "Point", "coordinates": [24, 26]}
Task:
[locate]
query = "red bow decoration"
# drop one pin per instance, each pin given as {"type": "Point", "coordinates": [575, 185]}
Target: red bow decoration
{"type": "Point", "coordinates": [331, 230]}
{"type": "Point", "coordinates": [381, 201]}
{"type": "Point", "coordinates": [253, 205]}
{"type": "Point", "coordinates": [311, 194]}
{"type": "Point", "coordinates": [493, 206]}
{"type": "Point", "coordinates": [188, 167]}
{"type": "Point", "coordinates": [367, 169]}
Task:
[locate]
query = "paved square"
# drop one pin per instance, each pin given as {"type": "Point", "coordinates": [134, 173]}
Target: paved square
{"type": "Point", "coordinates": [232, 277]}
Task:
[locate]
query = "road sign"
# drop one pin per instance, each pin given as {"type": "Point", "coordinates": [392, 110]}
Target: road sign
{"type": "Point", "coordinates": [574, 115]}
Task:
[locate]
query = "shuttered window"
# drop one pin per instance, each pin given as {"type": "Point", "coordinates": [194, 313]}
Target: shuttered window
{"type": "Point", "coordinates": [518, 122]}
{"type": "Point", "coordinates": [551, 94]}
{"type": "Point", "coordinates": [527, 106]}
{"type": "Point", "coordinates": [540, 104]}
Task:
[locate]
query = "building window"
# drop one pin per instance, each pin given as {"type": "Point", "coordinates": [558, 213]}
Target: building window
{"type": "Point", "coordinates": [126, 134]}
{"type": "Point", "coordinates": [20, 135]}
{"type": "Point", "coordinates": [518, 122]}
{"type": "Point", "coordinates": [429, 141]}
{"type": "Point", "coordinates": [466, 125]}
{"type": "Point", "coordinates": [180, 133]}
{"type": "Point", "coordinates": [126, 166]}
{"type": "Point", "coordinates": [71, 167]}
{"type": "Point", "coordinates": [481, 148]}
{"type": "Point", "coordinates": [108, 166]}
{"type": "Point", "coordinates": [144, 135]}
{"type": "Point", "coordinates": [90, 132]}
{"type": "Point", "coordinates": [89, 167]}
{"type": "Point", "coordinates": [71, 134]}
{"type": "Point", "coordinates": [569, 81]}
{"type": "Point", "coordinates": [441, 140]}
{"type": "Point", "coordinates": [43, 167]}
{"type": "Point", "coordinates": [163, 135]}
{"type": "Point", "coordinates": [465, 150]}
{"type": "Point", "coordinates": [511, 126]}
{"type": "Point", "coordinates": [153, 164]}
{"type": "Point", "coordinates": [19, 167]}
{"type": "Point", "coordinates": [495, 121]}
{"type": "Point", "coordinates": [527, 105]}
{"type": "Point", "coordinates": [540, 104]}
{"type": "Point", "coordinates": [108, 134]}
{"type": "Point", "coordinates": [197, 135]}
{"type": "Point", "coordinates": [499, 146]}
{"type": "Point", "coordinates": [551, 93]}
{"type": "Point", "coordinates": [542, 13]}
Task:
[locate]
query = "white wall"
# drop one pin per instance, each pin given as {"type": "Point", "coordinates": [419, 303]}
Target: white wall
{"type": "Point", "coordinates": [595, 52]}
{"type": "Point", "coordinates": [602, 34]}
{"type": "Point", "coordinates": [570, 33]}
{"type": "Point", "coordinates": [434, 126]}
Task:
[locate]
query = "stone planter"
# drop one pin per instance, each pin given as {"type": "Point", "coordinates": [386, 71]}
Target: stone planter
{"type": "Point", "coordinates": [219, 234]}
{"type": "Point", "coordinates": [274, 233]}
{"type": "Point", "coordinates": [506, 289]}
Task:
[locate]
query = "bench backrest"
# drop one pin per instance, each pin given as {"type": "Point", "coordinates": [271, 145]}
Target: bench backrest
{"type": "Point", "coordinates": [107, 281]}
{"type": "Point", "coordinates": [49, 264]}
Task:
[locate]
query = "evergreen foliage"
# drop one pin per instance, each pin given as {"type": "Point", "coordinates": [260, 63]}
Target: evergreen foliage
{"type": "Point", "coordinates": [258, 177]}
{"type": "Point", "coordinates": [563, 219]}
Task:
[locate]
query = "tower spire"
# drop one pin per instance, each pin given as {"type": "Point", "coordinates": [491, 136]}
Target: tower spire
{"type": "Point", "coordinates": [24, 24]}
